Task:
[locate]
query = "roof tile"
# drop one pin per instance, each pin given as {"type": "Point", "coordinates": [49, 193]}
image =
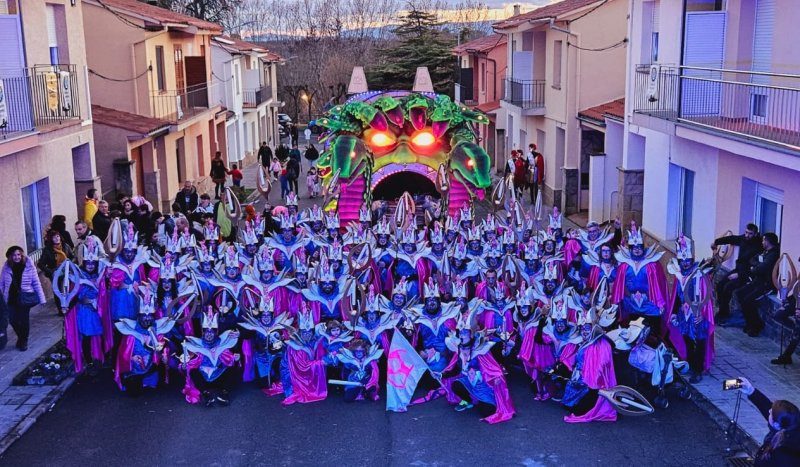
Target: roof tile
{"type": "Point", "coordinates": [553, 10]}
{"type": "Point", "coordinates": [161, 15]}
{"type": "Point", "coordinates": [127, 121]}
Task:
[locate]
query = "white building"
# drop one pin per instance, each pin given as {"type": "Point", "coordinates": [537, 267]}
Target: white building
{"type": "Point", "coordinates": [248, 90]}
{"type": "Point", "coordinates": [712, 119]}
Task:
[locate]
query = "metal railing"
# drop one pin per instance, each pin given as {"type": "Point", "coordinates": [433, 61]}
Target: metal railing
{"type": "Point", "coordinates": [465, 95]}
{"type": "Point", "coordinates": [255, 97]}
{"type": "Point", "coordinates": [179, 104]}
{"type": "Point", "coordinates": [528, 94]}
{"type": "Point", "coordinates": [754, 105]}
{"type": "Point", "coordinates": [38, 96]}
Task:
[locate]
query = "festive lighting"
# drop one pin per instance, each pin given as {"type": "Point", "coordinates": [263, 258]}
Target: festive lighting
{"type": "Point", "coordinates": [470, 163]}
{"type": "Point", "coordinates": [423, 138]}
{"type": "Point", "coordinates": [381, 140]}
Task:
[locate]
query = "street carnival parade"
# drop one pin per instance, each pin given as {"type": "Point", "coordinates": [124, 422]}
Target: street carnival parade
{"type": "Point", "coordinates": [404, 308]}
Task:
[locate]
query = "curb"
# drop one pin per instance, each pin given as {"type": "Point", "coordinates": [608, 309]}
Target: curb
{"type": "Point", "coordinates": [740, 439]}
{"type": "Point", "coordinates": [46, 405]}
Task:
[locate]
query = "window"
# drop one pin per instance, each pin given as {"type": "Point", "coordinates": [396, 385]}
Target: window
{"type": "Point", "coordinates": [680, 200]}
{"type": "Point", "coordinates": [484, 77]}
{"type": "Point", "coordinates": [52, 36]}
{"type": "Point", "coordinates": [236, 74]}
{"type": "Point", "coordinates": [654, 48]}
{"type": "Point", "coordinates": [768, 209]}
{"type": "Point", "coordinates": [557, 64]}
{"type": "Point", "coordinates": [705, 5]}
{"type": "Point", "coordinates": [36, 212]}
{"type": "Point", "coordinates": [162, 81]}
{"type": "Point", "coordinates": [758, 105]}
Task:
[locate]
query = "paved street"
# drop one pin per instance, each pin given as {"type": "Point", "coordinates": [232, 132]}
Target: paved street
{"type": "Point", "coordinates": [96, 425]}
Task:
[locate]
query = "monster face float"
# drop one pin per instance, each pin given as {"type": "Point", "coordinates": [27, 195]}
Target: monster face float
{"type": "Point", "coordinates": [376, 135]}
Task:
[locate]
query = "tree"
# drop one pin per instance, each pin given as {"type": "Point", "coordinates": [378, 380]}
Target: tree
{"type": "Point", "coordinates": [215, 11]}
{"type": "Point", "coordinates": [419, 41]}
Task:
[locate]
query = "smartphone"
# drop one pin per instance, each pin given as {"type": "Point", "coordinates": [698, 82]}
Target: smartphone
{"type": "Point", "coordinates": [730, 384]}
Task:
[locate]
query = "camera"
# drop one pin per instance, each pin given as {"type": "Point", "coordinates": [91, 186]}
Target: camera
{"type": "Point", "coordinates": [730, 384]}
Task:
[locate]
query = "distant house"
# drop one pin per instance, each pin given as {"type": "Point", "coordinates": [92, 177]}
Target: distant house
{"type": "Point", "coordinates": [482, 70]}
{"type": "Point", "coordinates": [46, 141]}
{"type": "Point", "coordinates": [151, 75]}
{"type": "Point", "coordinates": [244, 82]}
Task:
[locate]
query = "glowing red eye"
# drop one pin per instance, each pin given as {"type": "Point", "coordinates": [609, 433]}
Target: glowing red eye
{"type": "Point", "coordinates": [470, 163]}
{"type": "Point", "coordinates": [423, 138]}
{"type": "Point", "coordinates": [381, 140]}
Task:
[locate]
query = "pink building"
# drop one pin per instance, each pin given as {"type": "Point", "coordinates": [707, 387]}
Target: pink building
{"type": "Point", "coordinates": [482, 64]}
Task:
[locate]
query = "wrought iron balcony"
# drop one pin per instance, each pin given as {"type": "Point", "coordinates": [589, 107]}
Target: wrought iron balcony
{"type": "Point", "coordinates": [180, 104]}
{"type": "Point", "coordinates": [758, 106]}
{"type": "Point", "coordinates": [37, 97]}
{"type": "Point", "coordinates": [252, 98]}
{"type": "Point", "coordinates": [528, 94]}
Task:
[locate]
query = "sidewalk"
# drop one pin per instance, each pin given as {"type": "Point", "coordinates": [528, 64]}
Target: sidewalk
{"type": "Point", "coordinates": [20, 406]}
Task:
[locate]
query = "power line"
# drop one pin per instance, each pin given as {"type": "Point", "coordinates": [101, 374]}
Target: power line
{"type": "Point", "coordinates": [117, 80]}
{"type": "Point", "coordinates": [588, 12]}
{"type": "Point", "coordinates": [601, 49]}
{"type": "Point", "coordinates": [120, 17]}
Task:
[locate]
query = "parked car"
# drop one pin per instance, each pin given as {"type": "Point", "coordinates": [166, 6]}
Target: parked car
{"type": "Point", "coordinates": [284, 119]}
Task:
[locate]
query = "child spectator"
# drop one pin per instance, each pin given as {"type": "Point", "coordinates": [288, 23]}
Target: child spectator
{"type": "Point", "coordinates": [236, 175]}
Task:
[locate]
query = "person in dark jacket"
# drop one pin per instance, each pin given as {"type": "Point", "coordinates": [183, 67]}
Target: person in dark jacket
{"type": "Point", "coordinates": [187, 198]}
{"type": "Point", "coordinates": [54, 253]}
{"type": "Point", "coordinates": [59, 224]}
{"type": "Point", "coordinates": [760, 283]}
{"type": "Point", "coordinates": [781, 446]}
{"type": "Point", "coordinates": [101, 222]}
{"type": "Point", "coordinates": [265, 154]}
{"type": "Point", "coordinates": [749, 245]}
{"type": "Point", "coordinates": [18, 278]}
{"type": "Point", "coordinates": [218, 173]}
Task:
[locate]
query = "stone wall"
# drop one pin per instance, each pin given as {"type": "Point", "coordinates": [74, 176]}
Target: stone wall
{"type": "Point", "coordinates": [631, 195]}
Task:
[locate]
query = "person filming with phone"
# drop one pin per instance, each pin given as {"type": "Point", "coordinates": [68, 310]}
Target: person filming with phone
{"type": "Point", "coordinates": [781, 446]}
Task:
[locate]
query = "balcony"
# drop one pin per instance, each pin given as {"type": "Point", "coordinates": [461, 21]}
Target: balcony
{"type": "Point", "coordinates": [38, 98]}
{"type": "Point", "coordinates": [178, 105]}
{"type": "Point", "coordinates": [464, 95]}
{"type": "Point", "coordinates": [252, 98]}
{"type": "Point", "coordinates": [524, 94]}
{"type": "Point", "coordinates": [762, 107]}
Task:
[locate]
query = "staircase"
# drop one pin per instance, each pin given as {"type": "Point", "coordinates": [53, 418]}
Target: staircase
{"type": "Point", "coordinates": [350, 200]}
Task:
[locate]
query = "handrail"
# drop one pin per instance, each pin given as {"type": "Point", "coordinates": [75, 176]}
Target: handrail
{"type": "Point", "coordinates": [747, 72]}
{"type": "Point", "coordinates": [739, 83]}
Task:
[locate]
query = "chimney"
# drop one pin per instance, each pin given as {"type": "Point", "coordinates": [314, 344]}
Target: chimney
{"type": "Point", "coordinates": [517, 9]}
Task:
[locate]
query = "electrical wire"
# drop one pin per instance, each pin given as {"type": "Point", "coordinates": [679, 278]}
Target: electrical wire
{"type": "Point", "coordinates": [214, 75]}
{"type": "Point", "coordinates": [587, 13]}
{"type": "Point", "coordinates": [120, 17]}
{"type": "Point", "coordinates": [117, 80]}
{"type": "Point", "coordinates": [600, 49]}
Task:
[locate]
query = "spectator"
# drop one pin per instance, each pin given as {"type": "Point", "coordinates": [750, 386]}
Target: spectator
{"type": "Point", "coordinates": [83, 231]}
{"type": "Point", "coordinates": [313, 182]}
{"type": "Point", "coordinates": [511, 164]}
{"type": "Point", "coordinates": [295, 153]}
{"type": "Point", "coordinates": [781, 446]}
{"type": "Point", "coordinates": [59, 224]}
{"type": "Point", "coordinates": [293, 133]}
{"type": "Point", "coordinates": [535, 171]}
{"type": "Point", "coordinates": [790, 307]}
{"type": "Point", "coordinates": [236, 175]}
{"type": "Point", "coordinates": [284, 182]}
{"type": "Point", "coordinates": [90, 206]}
{"type": "Point", "coordinates": [54, 253]}
{"type": "Point", "coordinates": [265, 154]}
{"type": "Point", "coordinates": [275, 168]}
{"type": "Point", "coordinates": [749, 245]}
{"type": "Point", "coordinates": [217, 174]}
{"type": "Point", "coordinates": [520, 171]}
{"type": "Point", "coordinates": [205, 207]}
{"type": "Point", "coordinates": [760, 283]}
{"type": "Point", "coordinates": [293, 172]}
{"type": "Point", "coordinates": [142, 220]}
{"type": "Point", "coordinates": [22, 290]}
{"type": "Point", "coordinates": [177, 211]}
{"type": "Point", "coordinates": [101, 220]}
{"type": "Point", "coordinates": [187, 198]}
{"type": "Point", "coordinates": [129, 212]}
{"type": "Point", "coordinates": [312, 155]}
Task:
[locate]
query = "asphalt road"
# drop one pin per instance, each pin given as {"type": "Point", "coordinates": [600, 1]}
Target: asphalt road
{"type": "Point", "coordinates": [93, 424]}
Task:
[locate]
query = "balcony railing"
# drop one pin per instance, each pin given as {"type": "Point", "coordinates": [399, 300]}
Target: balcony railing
{"type": "Point", "coordinates": [37, 97]}
{"type": "Point", "coordinates": [524, 94]}
{"type": "Point", "coordinates": [254, 97]}
{"type": "Point", "coordinates": [176, 105]}
{"type": "Point", "coordinates": [464, 95]}
{"type": "Point", "coordinates": [753, 105]}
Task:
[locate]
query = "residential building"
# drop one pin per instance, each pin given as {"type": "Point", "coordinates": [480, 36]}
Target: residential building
{"type": "Point", "coordinates": [46, 142]}
{"type": "Point", "coordinates": [713, 118]}
{"type": "Point", "coordinates": [562, 58]}
{"type": "Point", "coordinates": [150, 72]}
{"type": "Point", "coordinates": [244, 75]}
{"type": "Point", "coordinates": [482, 70]}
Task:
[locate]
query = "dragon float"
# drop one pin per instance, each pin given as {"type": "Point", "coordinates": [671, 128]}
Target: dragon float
{"type": "Point", "coordinates": [380, 135]}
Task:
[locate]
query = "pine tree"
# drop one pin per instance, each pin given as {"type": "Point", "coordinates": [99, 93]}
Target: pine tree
{"type": "Point", "coordinates": [419, 41]}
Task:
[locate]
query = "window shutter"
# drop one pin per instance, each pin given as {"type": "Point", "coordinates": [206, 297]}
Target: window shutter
{"type": "Point", "coordinates": [50, 18]}
{"type": "Point", "coordinates": [704, 46]}
{"type": "Point", "coordinates": [762, 39]}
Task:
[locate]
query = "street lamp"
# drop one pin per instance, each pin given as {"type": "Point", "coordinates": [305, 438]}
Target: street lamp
{"type": "Point", "coordinates": [307, 98]}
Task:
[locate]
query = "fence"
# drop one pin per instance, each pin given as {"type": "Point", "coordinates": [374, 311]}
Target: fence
{"type": "Point", "coordinates": [528, 94]}
{"type": "Point", "coordinates": [175, 105]}
{"type": "Point", "coordinates": [755, 105]}
{"type": "Point", "coordinates": [256, 97]}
